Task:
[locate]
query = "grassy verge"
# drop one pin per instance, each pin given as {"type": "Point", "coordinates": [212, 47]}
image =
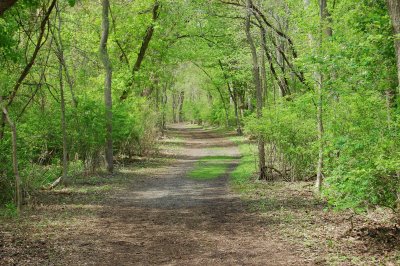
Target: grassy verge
{"type": "Point", "coordinates": [243, 176]}
{"type": "Point", "coordinates": [323, 236]}
{"type": "Point", "coordinates": [210, 167]}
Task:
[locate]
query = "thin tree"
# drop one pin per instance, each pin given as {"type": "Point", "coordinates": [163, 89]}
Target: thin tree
{"type": "Point", "coordinates": [394, 11]}
{"type": "Point", "coordinates": [257, 83]}
{"type": "Point", "coordinates": [107, 85]}
{"type": "Point", "coordinates": [63, 120]}
{"type": "Point", "coordinates": [326, 30]}
{"type": "Point", "coordinates": [18, 193]}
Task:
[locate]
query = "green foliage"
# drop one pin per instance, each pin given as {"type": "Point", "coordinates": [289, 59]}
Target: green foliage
{"type": "Point", "coordinates": [243, 173]}
{"type": "Point", "coordinates": [71, 2]}
{"type": "Point", "coordinates": [290, 127]}
{"type": "Point", "coordinates": [361, 126]}
{"type": "Point", "coordinates": [193, 66]}
{"type": "Point", "coordinates": [363, 154]}
{"type": "Point", "coordinates": [9, 210]}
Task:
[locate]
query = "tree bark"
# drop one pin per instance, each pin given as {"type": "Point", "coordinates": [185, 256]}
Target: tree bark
{"type": "Point", "coordinates": [107, 85]}
{"type": "Point", "coordinates": [394, 12]}
{"type": "Point", "coordinates": [63, 120]}
{"type": "Point", "coordinates": [164, 101]}
{"type": "Point", "coordinates": [257, 83]}
{"type": "Point", "coordinates": [174, 107]}
{"type": "Point", "coordinates": [263, 64]}
{"type": "Point", "coordinates": [5, 5]}
{"type": "Point", "coordinates": [18, 192]}
{"type": "Point", "coordinates": [327, 30]}
{"type": "Point", "coordinates": [234, 100]}
{"type": "Point", "coordinates": [181, 100]}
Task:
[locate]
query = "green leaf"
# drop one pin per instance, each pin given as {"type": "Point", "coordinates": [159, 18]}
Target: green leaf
{"type": "Point", "coordinates": [71, 2]}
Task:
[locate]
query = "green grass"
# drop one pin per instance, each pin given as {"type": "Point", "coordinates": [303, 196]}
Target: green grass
{"type": "Point", "coordinates": [210, 167]}
{"type": "Point", "coordinates": [244, 172]}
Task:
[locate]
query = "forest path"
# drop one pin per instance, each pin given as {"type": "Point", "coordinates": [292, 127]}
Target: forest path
{"type": "Point", "coordinates": [157, 216]}
{"type": "Point", "coordinates": [170, 219]}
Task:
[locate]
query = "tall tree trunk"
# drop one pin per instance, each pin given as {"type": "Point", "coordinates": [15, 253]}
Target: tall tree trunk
{"type": "Point", "coordinates": [107, 85]}
{"type": "Point", "coordinates": [283, 83]}
{"type": "Point", "coordinates": [394, 11]}
{"type": "Point", "coordinates": [164, 100]}
{"type": "Point", "coordinates": [63, 124]}
{"type": "Point", "coordinates": [60, 48]}
{"type": "Point", "coordinates": [320, 128]}
{"type": "Point", "coordinates": [18, 192]}
{"type": "Point", "coordinates": [174, 106]}
{"type": "Point", "coordinates": [239, 130]}
{"type": "Point", "coordinates": [60, 55]}
{"type": "Point", "coordinates": [257, 83]}
{"type": "Point", "coordinates": [181, 101]}
{"type": "Point", "coordinates": [263, 63]}
{"type": "Point", "coordinates": [327, 31]}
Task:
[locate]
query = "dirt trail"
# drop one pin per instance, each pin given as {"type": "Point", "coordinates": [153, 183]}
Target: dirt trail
{"type": "Point", "coordinates": [164, 218]}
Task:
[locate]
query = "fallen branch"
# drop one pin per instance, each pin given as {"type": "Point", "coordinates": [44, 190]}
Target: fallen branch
{"type": "Point", "coordinates": [54, 184]}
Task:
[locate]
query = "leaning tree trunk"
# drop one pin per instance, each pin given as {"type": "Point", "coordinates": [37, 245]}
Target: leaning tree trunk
{"type": "Point", "coordinates": [257, 83]}
{"type": "Point", "coordinates": [107, 85]}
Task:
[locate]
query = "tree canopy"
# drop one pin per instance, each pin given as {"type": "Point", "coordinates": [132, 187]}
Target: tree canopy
{"type": "Point", "coordinates": [316, 83]}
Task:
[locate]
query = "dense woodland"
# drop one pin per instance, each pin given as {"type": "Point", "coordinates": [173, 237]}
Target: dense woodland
{"type": "Point", "coordinates": [87, 85]}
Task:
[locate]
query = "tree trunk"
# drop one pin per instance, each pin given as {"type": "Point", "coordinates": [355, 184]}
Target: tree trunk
{"type": "Point", "coordinates": [63, 124]}
{"type": "Point", "coordinates": [60, 55]}
{"type": "Point", "coordinates": [164, 101]}
{"type": "Point", "coordinates": [18, 193]}
{"type": "Point", "coordinates": [263, 63]}
{"type": "Point", "coordinates": [174, 106]}
{"type": "Point", "coordinates": [320, 128]}
{"type": "Point", "coordinates": [181, 100]}
{"type": "Point", "coordinates": [239, 130]}
{"type": "Point", "coordinates": [234, 100]}
{"type": "Point", "coordinates": [394, 11]}
{"type": "Point", "coordinates": [107, 85]}
{"type": "Point", "coordinates": [324, 15]}
{"type": "Point", "coordinates": [257, 83]}
{"type": "Point", "coordinates": [6, 4]}
{"type": "Point", "coordinates": [283, 83]}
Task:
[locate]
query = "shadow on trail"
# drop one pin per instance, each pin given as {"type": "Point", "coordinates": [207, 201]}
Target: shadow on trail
{"type": "Point", "coordinates": [167, 218]}
{"type": "Point", "coordinates": [159, 216]}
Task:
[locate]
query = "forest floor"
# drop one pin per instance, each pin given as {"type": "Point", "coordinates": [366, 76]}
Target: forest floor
{"type": "Point", "coordinates": [168, 211]}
